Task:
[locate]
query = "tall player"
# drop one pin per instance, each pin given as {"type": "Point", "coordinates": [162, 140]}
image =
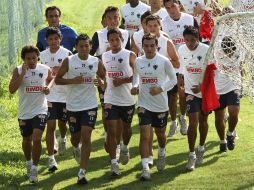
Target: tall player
{"type": "Point", "coordinates": [119, 103]}
{"type": "Point", "coordinates": [53, 57]}
{"type": "Point", "coordinates": [31, 79]}
{"type": "Point", "coordinates": [131, 13]}
{"type": "Point", "coordinates": [81, 71]}
{"type": "Point", "coordinates": [173, 25]}
{"type": "Point", "coordinates": [154, 75]}
{"type": "Point", "coordinates": [192, 56]}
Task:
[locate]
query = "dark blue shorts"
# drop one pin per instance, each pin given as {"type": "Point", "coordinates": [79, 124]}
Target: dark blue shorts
{"type": "Point", "coordinates": [232, 98]}
{"type": "Point", "coordinates": [57, 110]}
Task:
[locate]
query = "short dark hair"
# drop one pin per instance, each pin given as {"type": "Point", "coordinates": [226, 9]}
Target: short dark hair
{"type": "Point", "coordinates": [110, 9]}
{"type": "Point", "coordinates": [145, 15]}
{"type": "Point", "coordinates": [174, 1]}
{"type": "Point", "coordinates": [29, 49]}
{"type": "Point", "coordinates": [114, 31]}
{"type": "Point", "coordinates": [81, 37]}
{"type": "Point", "coordinates": [51, 9]}
{"type": "Point", "coordinates": [153, 17]}
{"type": "Point", "coordinates": [150, 37]}
{"type": "Point", "coordinates": [228, 45]}
{"type": "Point", "coordinates": [52, 31]}
{"type": "Point", "coordinates": [191, 30]}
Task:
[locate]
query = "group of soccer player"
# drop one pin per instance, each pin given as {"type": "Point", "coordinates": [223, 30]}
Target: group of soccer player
{"type": "Point", "coordinates": [156, 53]}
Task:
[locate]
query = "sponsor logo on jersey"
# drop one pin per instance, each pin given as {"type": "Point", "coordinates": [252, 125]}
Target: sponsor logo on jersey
{"type": "Point", "coordinates": [34, 89]}
{"type": "Point", "coordinates": [194, 70]}
{"type": "Point", "coordinates": [248, 7]}
{"type": "Point", "coordinates": [88, 80]}
{"type": "Point", "coordinates": [149, 80]}
{"type": "Point", "coordinates": [178, 41]}
{"type": "Point", "coordinates": [131, 27]}
{"type": "Point", "coordinates": [112, 74]}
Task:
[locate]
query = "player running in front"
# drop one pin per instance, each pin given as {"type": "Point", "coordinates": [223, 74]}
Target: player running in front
{"type": "Point", "coordinates": [154, 74]}
{"type": "Point", "coordinates": [31, 79]}
{"type": "Point", "coordinates": [119, 103]}
{"type": "Point", "coordinates": [82, 72]}
{"type": "Point", "coordinates": [192, 55]}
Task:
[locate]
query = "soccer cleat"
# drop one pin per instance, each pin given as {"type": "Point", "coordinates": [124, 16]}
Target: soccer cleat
{"type": "Point", "coordinates": [161, 163]}
{"type": "Point", "coordinates": [62, 146]}
{"type": "Point", "coordinates": [124, 156]}
{"type": "Point", "coordinates": [145, 175]}
{"type": "Point", "coordinates": [28, 169]}
{"type": "Point", "coordinates": [230, 142]}
{"type": "Point", "coordinates": [223, 147]}
{"type": "Point", "coordinates": [191, 163]}
{"type": "Point", "coordinates": [184, 127]}
{"type": "Point", "coordinates": [33, 177]}
{"type": "Point", "coordinates": [173, 129]}
{"type": "Point", "coordinates": [52, 165]}
{"type": "Point", "coordinates": [76, 154]}
{"type": "Point", "coordinates": [82, 178]}
{"type": "Point", "coordinates": [199, 157]}
{"type": "Point", "coordinates": [115, 170]}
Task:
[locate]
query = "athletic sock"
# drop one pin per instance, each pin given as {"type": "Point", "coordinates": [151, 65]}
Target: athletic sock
{"type": "Point", "coordinates": [161, 151]}
{"type": "Point", "coordinates": [182, 117]}
{"type": "Point", "coordinates": [223, 141]}
{"type": "Point", "coordinates": [124, 147]}
{"type": "Point", "coordinates": [201, 148]}
{"type": "Point", "coordinates": [114, 161]}
{"type": "Point", "coordinates": [145, 163]}
{"type": "Point", "coordinates": [51, 157]}
{"type": "Point", "coordinates": [192, 154]}
{"type": "Point", "coordinates": [29, 162]}
{"type": "Point", "coordinates": [230, 133]}
{"type": "Point", "coordinates": [81, 173]}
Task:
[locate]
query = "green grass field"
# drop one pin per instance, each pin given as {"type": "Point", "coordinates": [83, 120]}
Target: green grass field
{"type": "Point", "coordinates": [232, 170]}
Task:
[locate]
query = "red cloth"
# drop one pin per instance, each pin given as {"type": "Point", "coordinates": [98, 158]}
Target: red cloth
{"type": "Point", "coordinates": [206, 26]}
{"type": "Point", "coordinates": [210, 100]}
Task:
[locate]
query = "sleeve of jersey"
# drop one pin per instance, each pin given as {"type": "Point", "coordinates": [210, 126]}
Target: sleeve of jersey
{"type": "Point", "coordinates": [95, 43]}
{"type": "Point", "coordinates": [135, 80]}
{"type": "Point", "coordinates": [170, 72]}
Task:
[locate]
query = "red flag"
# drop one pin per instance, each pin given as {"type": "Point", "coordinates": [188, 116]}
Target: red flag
{"type": "Point", "coordinates": [206, 26]}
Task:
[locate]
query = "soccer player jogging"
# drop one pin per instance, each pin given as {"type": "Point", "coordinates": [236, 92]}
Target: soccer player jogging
{"type": "Point", "coordinates": [192, 56]}
{"type": "Point", "coordinates": [229, 93]}
{"type": "Point", "coordinates": [119, 103]}
{"type": "Point", "coordinates": [81, 71]}
{"type": "Point", "coordinates": [31, 79]}
{"type": "Point", "coordinates": [131, 13]}
{"type": "Point", "coordinates": [174, 25]}
{"type": "Point", "coordinates": [53, 15]}
{"type": "Point", "coordinates": [53, 57]}
{"type": "Point", "coordinates": [154, 74]}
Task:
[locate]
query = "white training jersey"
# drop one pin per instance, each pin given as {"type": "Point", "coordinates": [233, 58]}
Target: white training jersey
{"type": "Point", "coordinates": [222, 81]}
{"type": "Point", "coordinates": [32, 101]}
{"type": "Point", "coordinates": [163, 46]}
{"type": "Point", "coordinates": [82, 96]}
{"type": "Point", "coordinates": [189, 5]}
{"type": "Point", "coordinates": [159, 72]}
{"type": "Point", "coordinates": [103, 40]}
{"type": "Point", "coordinates": [132, 16]}
{"type": "Point", "coordinates": [192, 66]}
{"type": "Point", "coordinates": [174, 29]}
{"type": "Point", "coordinates": [54, 61]}
{"type": "Point", "coordinates": [162, 13]}
{"type": "Point", "coordinates": [118, 66]}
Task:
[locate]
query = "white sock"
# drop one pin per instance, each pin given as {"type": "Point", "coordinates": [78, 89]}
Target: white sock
{"type": "Point", "coordinates": [29, 162]}
{"type": "Point", "coordinates": [114, 161]}
{"type": "Point", "coordinates": [145, 162]}
{"type": "Point", "coordinates": [34, 167]}
{"type": "Point", "coordinates": [201, 148]}
{"type": "Point", "coordinates": [76, 148]}
{"type": "Point", "coordinates": [182, 116]}
{"type": "Point", "coordinates": [51, 157]}
{"type": "Point", "coordinates": [173, 122]}
{"type": "Point", "coordinates": [62, 139]}
{"type": "Point", "coordinates": [124, 147]}
{"type": "Point", "coordinates": [105, 136]}
{"type": "Point", "coordinates": [161, 151]}
{"type": "Point", "coordinates": [230, 133]}
{"type": "Point", "coordinates": [150, 158]}
{"type": "Point", "coordinates": [81, 172]}
{"type": "Point", "coordinates": [223, 141]}
{"type": "Point", "coordinates": [192, 154]}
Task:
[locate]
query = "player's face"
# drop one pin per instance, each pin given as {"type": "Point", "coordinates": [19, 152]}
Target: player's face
{"type": "Point", "coordinates": [150, 48]}
{"type": "Point", "coordinates": [31, 59]}
{"type": "Point", "coordinates": [133, 2]}
{"type": "Point", "coordinates": [112, 19]}
{"type": "Point", "coordinates": [54, 41]}
{"type": "Point", "coordinates": [155, 3]}
{"type": "Point", "coordinates": [153, 27]}
{"type": "Point", "coordinates": [53, 18]}
{"type": "Point", "coordinates": [172, 9]}
{"type": "Point", "coordinates": [83, 47]}
{"type": "Point", "coordinates": [115, 42]}
{"type": "Point", "coordinates": [191, 41]}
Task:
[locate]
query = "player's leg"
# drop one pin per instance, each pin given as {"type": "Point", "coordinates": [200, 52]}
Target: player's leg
{"type": "Point", "coordinates": [172, 95]}
{"type": "Point", "coordinates": [62, 120]}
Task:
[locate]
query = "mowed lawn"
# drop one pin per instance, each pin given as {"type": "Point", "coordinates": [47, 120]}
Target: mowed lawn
{"type": "Point", "coordinates": [231, 170]}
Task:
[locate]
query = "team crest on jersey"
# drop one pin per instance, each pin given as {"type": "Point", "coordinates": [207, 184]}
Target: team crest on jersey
{"type": "Point", "coordinates": [59, 60]}
{"type": "Point", "coordinates": [158, 49]}
{"type": "Point", "coordinates": [141, 110]}
{"type": "Point", "coordinates": [155, 67]}
{"type": "Point", "coordinates": [178, 26]}
{"type": "Point", "coordinates": [132, 13]}
{"type": "Point", "coordinates": [199, 57]}
{"type": "Point", "coordinates": [120, 60]}
{"type": "Point", "coordinates": [162, 115]}
{"type": "Point", "coordinates": [91, 113]}
{"type": "Point", "coordinates": [90, 67]}
{"type": "Point", "coordinates": [41, 75]}
{"type": "Point", "coordinates": [138, 15]}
